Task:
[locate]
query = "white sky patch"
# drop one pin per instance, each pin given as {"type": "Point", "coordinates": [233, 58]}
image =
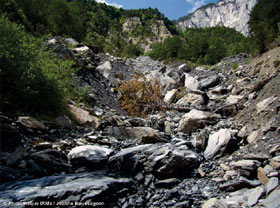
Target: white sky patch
{"type": "Point", "coordinates": [195, 4]}
{"type": "Point", "coordinates": [113, 4]}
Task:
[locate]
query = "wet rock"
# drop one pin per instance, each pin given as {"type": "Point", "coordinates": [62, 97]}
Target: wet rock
{"type": "Point", "coordinates": [81, 187]}
{"type": "Point", "coordinates": [217, 143]}
{"type": "Point", "coordinates": [42, 146]}
{"type": "Point", "coordinates": [255, 195]}
{"type": "Point", "coordinates": [91, 156]}
{"type": "Point", "coordinates": [194, 120]}
{"type": "Point", "coordinates": [47, 162]}
{"type": "Point", "coordinates": [30, 122]}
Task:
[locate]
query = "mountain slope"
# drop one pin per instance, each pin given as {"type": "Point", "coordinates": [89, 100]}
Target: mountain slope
{"type": "Point", "coordinates": [228, 13]}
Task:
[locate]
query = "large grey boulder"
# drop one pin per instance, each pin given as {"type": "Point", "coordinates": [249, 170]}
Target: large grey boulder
{"type": "Point", "coordinates": [162, 160]}
{"type": "Point", "coordinates": [91, 156]}
{"type": "Point", "coordinates": [208, 82]}
{"type": "Point", "coordinates": [196, 119]}
{"type": "Point", "coordinates": [217, 143]}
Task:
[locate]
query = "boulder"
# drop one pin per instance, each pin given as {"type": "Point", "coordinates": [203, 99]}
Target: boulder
{"type": "Point", "coordinates": [250, 165]}
{"type": "Point", "coordinates": [194, 120]}
{"type": "Point", "coordinates": [253, 136]}
{"type": "Point", "coordinates": [163, 160]}
{"type": "Point", "coordinates": [191, 83]}
{"type": "Point", "coordinates": [83, 117]}
{"type": "Point", "coordinates": [166, 82]}
{"type": "Point", "coordinates": [213, 202]}
{"type": "Point", "coordinates": [184, 68]}
{"type": "Point", "coordinates": [30, 122]}
{"type": "Point", "coordinates": [47, 162]}
{"type": "Point", "coordinates": [272, 200]}
{"type": "Point", "coordinates": [91, 156]}
{"type": "Point", "coordinates": [217, 143]}
{"type": "Point", "coordinates": [106, 70]}
{"type": "Point", "coordinates": [211, 81]}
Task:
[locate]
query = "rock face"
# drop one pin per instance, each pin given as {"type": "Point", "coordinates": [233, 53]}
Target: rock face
{"type": "Point", "coordinates": [85, 187]}
{"type": "Point", "coordinates": [228, 13]}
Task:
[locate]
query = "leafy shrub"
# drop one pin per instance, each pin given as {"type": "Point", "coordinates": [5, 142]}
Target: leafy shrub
{"type": "Point", "coordinates": [33, 80]}
{"type": "Point", "coordinates": [140, 96]}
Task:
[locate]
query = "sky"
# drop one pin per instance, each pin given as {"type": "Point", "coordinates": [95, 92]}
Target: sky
{"type": "Point", "coordinates": [173, 9]}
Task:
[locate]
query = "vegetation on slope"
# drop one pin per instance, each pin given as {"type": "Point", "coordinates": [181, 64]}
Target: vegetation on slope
{"type": "Point", "coordinates": [264, 24]}
{"type": "Point", "coordinates": [202, 46]}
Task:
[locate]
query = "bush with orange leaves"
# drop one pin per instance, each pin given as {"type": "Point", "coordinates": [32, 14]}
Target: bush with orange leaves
{"type": "Point", "coordinates": [140, 97]}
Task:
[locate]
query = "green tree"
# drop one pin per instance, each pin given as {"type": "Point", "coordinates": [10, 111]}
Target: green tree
{"type": "Point", "coordinates": [264, 23]}
{"type": "Point", "coordinates": [33, 80]}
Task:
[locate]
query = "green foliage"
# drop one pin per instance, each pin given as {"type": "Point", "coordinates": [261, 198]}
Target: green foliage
{"type": "Point", "coordinates": [264, 24]}
{"type": "Point", "coordinates": [33, 80]}
{"type": "Point", "coordinates": [202, 46]}
{"type": "Point", "coordinates": [140, 96]}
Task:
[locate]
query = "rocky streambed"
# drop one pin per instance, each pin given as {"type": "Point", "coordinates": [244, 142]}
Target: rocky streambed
{"type": "Point", "coordinates": [215, 145]}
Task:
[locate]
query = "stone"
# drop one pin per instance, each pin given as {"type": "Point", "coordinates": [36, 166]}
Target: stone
{"type": "Point", "coordinates": [191, 99]}
{"type": "Point", "coordinates": [257, 156]}
{"type": "Point", "coordinates": [64, 122]}
{"type": "Point", "coordinates": [275, 162]}
{"type": "Point", "coordinates": [217, 143]}
{"type": "Point", "coordinates": [243, 132]}
{"type": "Point", "coordinates": [140, 132]}
{"type": "Point", "coordinates": [42, 146]}
{"type": "Point", "coordinates": [191, 83]}
{"type": "Point", "coordinates": [272, 184]}
{"type": "Point", "coordinates": [152, 138]}
{"type": "Point", "coordinates": [89, 155]}
{"type": "Point", "coordinates": [83, 117]}
{"type": "Point", "coordinates": [170, 96]}
{"type": "Point", "coordinates": [233, 99]}
{"type": "Point", "coordinates": [272, 200]}
{"type": "Point", "coordinates": [167, 183]}
{"type": "Point", "coordinates": [253, 136]}
{"type": "Point", "coordinates": [250, 165]}
{"type": "Point", "coordinates": [255, 195]}
{"type": "Point", "coordinates": [213, 202]}
{"type": "Point", "coordinates": [71, 42]}
{"type": "Point", "coordinates": [263, 105]}
{"type": "Point", "coordinates": [274, 149]}
{"type": "Point", "coordinates": [30, 122]}
{"type": "Point", "coordinates": [262, 175]}
{"type": "Point", "coordinates": [209, 82]}
{"type": "Point", "coordinates": [194, 120]}
{"type": "Point", "coordinates": [106, 70]}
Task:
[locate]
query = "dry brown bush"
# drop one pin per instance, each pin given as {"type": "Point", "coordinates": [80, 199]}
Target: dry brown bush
{"type": "Point", "coordinates": [140, 96]}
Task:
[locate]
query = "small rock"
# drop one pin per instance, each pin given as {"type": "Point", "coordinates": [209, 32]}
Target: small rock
{"type": "Point", "coordinates": [213, 202]}
{"type": "Point", "coordinates": [275, 162]}
{"type": "Point", "coordinates": [64, 122]}
{"type": "Point", "coordinates": [217, 143]}
{"type": "Point", "coordinates": [263, 105]}
{"type": "Point", "coordinates": [167, 183]}
{"type": "Point", "coordinates": [191, 83]}
{"type": "Point", "coordinates": [250, 165]}
{"type": "Point", "coordinates": [262, 175]}
{"type": "Point", "coordinates": [232, 99]}
{"type": "Point", "coordinates": [253, 136]}
{"type": "Point", "coordinates": [170, 96]}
